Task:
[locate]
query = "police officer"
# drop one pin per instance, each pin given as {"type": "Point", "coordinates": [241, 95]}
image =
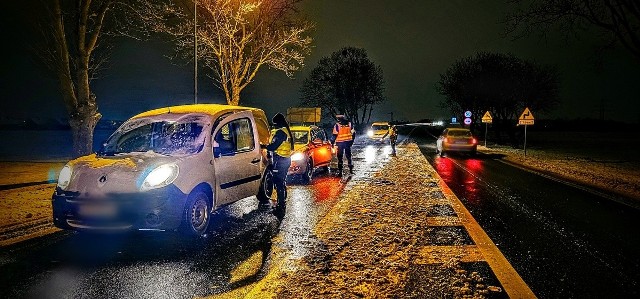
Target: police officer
{"type": "Point", "coordinates": [281, 145]}
{"type": "Point", "coordinates": [393, 137]}
{"type": "Point", "coordinates": [343, 133]}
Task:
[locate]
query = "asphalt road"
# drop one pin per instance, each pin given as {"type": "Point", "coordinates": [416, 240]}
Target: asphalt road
{"type": "Point", "coordinates": [564, 242]}
{"type": "Point", "coordinates": [166, 265]}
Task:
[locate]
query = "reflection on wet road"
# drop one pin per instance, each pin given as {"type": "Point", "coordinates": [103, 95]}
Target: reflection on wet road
{"type": "Point", "coordinates": [307, 203]}
{"type": "Point", "coordinates": [148, 265]}
{"type": "Point", "coordinates": [564, 242]}
{"type": "Point", "coordinates": [151, 265]}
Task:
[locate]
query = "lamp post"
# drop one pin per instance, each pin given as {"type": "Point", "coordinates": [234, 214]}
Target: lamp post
{"type": "Point", "coordinates": [195, 51]}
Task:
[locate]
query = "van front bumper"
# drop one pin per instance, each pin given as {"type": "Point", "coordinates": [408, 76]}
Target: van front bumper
{"type": "Point", "coordinates": [158, 209]}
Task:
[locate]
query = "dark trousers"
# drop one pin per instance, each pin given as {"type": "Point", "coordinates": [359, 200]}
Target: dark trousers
{"type": "Point", "coordinates": [344, 149]}
{"type": "Point", "coordinates": [280, 169]}
{"type": "Point", "coordinates": [392, 141]}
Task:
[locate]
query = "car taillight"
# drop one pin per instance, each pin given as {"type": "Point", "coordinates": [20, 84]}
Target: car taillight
{"type": "Point", "coordinates": [474, 141]}
{"type": "Point", "coordinates": [447, 140]}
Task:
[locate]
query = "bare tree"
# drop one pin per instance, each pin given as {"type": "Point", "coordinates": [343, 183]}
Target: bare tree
{"type": "Point", "coordinates": [348, 83]}
{"type": "Point", "coordinates": [619, 19]}
{"type": "Point", "coordinates": [237, 37]}
{"type": "Point", "coordinates": [71, 35]}
{"type": "Point", "coordinates": [502, 84]}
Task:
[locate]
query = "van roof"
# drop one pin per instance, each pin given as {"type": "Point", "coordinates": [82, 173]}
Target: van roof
{"type": "Point", "coordinates": [211, 109]}
{"type": "Point", "coordinates": [216, 110]}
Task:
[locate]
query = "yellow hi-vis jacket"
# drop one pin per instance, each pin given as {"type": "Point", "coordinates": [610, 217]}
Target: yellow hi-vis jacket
{"type": "Point", "coordinates": [284, 150]}
{"type": "Point", "coordinates": [343, 132]}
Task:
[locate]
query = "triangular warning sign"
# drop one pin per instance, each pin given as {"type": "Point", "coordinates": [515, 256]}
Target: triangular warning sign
{"type": "Point", "coordinates": [526, 115]}
{"type": "Point", "coordinates": [526, 118]}
{"type": "Point", "coordinates": [486, 118]}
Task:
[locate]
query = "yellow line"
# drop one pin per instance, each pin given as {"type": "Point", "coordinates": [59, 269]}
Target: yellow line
{"type": "Point", "coordinates": [508, 277]}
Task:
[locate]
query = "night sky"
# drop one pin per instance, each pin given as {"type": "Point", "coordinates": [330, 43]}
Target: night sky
{"type": "Point", "coordinates": [413, 41]}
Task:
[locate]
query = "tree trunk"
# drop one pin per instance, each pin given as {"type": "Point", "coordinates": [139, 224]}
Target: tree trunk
{"type": "Point", "coordinates": [235, 96]}
{"type": "Point", "coordinates": [82, 127]}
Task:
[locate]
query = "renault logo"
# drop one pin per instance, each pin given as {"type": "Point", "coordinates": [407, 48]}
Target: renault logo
{"type": "Point", "coordinates": [103, 179]}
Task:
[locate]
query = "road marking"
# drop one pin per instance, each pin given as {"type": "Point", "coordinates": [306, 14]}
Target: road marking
{"type": "Point", "coordinates": [511, 281]}
{"type": "Point", "coordinates": [444, 254]}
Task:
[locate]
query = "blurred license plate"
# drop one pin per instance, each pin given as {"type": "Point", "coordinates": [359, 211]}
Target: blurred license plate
{"type": "Point", "coordinates": [97, 210]}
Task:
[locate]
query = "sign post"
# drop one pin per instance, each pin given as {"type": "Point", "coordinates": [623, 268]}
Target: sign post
{"type": "Point", "coordinates": [486, 119]}
{"type": "Point", "coordinates": [526, 118]}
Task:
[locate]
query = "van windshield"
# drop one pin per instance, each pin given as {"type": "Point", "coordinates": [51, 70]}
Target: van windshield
{"type": "Point", "coordinates": [167, 137]}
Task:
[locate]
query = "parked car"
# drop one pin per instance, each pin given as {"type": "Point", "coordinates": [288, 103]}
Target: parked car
{"type": "Point", "coordinates": [312, 150]}
{"type": "Point", "coordinates": [167, 169]}
{"type": "Point", "coordinates": [377, 130]}
{"type": "Point", "coordinates": [456, 140]}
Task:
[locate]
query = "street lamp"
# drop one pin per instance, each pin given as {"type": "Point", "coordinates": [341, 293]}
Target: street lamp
{"type": "Point", "coordinates": [195, 51]}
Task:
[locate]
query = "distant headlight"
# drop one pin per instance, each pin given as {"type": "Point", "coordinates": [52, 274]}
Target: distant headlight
{"type": "Point", "coordinates": [65, 177]}
{"type": "Point", "coordinates": [161, 176]}
{"type": "Point", "coordinates": [370, 133]}
{"type": "Point", "coordinates": [297, 157]}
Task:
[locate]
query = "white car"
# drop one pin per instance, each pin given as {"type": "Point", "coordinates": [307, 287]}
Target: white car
{"type": "Point", "coordinates": [456, 140]}
{"type": "Point", "coordinates": [377, 130]}
{"type": "Point", "coordinates": [166, 169]}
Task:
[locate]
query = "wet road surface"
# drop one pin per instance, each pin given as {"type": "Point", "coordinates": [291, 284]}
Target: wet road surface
{"type": "Point", "coordinates": [166, 265]}
{"type": "Point", "coordinates": [563, 241]}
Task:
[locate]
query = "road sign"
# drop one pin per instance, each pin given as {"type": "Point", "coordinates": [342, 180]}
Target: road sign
{"type": "Point", "coordinates": [526, 118]}
{"type": "Point", "coordinates": [486, 118]}
{"type": "Point", "coordinates": [467, 121]}
{"type": "Point", "coordinates": [454, 120]}
{"type": "Point", "coordinates": [467, 113]}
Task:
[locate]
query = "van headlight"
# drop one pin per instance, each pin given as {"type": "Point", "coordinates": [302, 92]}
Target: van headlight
{"type": "Point", "coordinates": [297, 157]}
{"type": "Point", "coordinates": [64, 178]}
{"type": "Point", "coordinates": [161, 176]}
{"type": "Point", "coordinates": [370, 133]}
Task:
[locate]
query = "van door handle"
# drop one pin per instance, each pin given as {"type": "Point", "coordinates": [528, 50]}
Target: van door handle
{"type": "Point", "coordinates": [256, 160]}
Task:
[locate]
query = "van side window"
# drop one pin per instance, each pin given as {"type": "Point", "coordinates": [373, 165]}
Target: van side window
{"type": "Point", "coordinates": [236, 136]}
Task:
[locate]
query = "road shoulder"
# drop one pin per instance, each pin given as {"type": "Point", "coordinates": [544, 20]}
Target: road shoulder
{"type": "Point", "coordinates": [399, 232]}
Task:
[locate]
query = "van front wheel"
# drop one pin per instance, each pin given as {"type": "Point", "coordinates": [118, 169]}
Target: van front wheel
{"type": "Point", "coordinates": [197, 214]}
{"type": "Point", "coordinates": [266, 188]}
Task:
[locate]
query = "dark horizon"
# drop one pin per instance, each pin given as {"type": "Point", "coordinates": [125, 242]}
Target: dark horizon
{"type": "Point", "coordinates": [413, 44]}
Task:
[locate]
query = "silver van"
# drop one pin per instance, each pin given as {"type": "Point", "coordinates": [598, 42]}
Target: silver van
{"type": "Point", "coordinates": [167, 169]}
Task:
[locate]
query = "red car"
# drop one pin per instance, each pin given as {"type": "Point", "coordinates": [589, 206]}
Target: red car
{"type": "Point", "coordinates": [312, 150]}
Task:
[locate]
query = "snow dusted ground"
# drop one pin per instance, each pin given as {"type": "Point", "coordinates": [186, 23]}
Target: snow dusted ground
{"type": "Point", "coordinates": [25, 211]}
{"type": "Point", "coordinates": [30, 206]}
{"type": "Point", "coordinates": [612, 173]}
